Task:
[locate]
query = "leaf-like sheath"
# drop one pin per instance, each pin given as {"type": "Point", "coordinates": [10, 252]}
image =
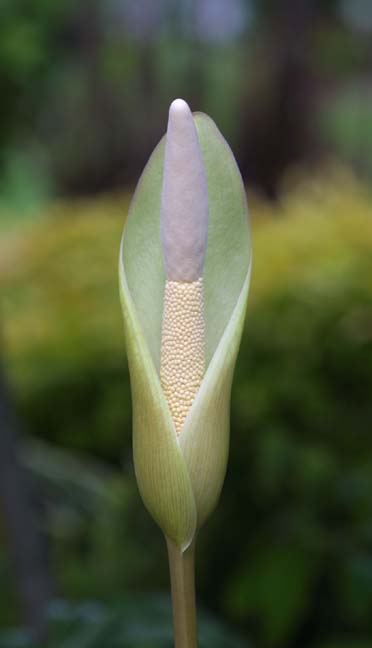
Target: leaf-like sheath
{"type": "Point", "coordinates": [180, 478]}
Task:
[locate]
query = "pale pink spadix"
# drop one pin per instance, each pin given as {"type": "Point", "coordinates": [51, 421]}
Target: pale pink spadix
{"type": "Point", "coordinates": [184, 200]}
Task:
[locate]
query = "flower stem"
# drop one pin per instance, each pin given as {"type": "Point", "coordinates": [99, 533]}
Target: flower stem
{"type": "Point", "coordinates": [182, 575]}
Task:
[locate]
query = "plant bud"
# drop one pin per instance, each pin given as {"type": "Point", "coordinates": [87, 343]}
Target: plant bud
{"type": "Point", "coordinates": [184, 270]}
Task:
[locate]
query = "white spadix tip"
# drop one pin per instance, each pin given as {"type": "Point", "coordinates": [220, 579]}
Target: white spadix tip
{"type": "Point", "coordinates": [184, 202]}
{"type": "Point", "coordinates": [179, 106]}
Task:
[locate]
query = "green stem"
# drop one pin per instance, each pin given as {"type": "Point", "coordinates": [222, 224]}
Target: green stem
{"type": "Point", "coordinates": [182, 575]}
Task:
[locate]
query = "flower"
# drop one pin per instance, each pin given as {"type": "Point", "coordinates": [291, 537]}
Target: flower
{"type": "Point", "coordinates": [187, 226]}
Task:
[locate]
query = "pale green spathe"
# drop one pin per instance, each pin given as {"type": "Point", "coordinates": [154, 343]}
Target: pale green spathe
{"type": "Point", "coordinates": [180, 478]}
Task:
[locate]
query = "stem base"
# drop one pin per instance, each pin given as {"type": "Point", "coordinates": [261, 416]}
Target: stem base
{"type": "Point", "coordinates": [182, 575]}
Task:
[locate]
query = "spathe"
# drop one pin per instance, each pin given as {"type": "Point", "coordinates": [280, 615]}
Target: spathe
{"type": "Point", "coordinates": [180, 478]}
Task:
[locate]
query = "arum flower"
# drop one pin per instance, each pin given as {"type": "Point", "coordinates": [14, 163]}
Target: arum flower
{"type": "Point", "coordinates": [184, 277]}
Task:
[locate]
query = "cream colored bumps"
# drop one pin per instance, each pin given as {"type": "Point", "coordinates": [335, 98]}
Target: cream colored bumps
{"type": "Point", "coordinates": [182, 363]}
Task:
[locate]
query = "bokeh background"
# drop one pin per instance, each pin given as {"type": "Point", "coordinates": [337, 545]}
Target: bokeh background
{"type": "Point", "coordinates": [286, 560]}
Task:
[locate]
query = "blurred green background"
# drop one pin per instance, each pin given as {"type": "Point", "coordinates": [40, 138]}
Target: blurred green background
{"type": "Point", "coordinates": [286, 560]}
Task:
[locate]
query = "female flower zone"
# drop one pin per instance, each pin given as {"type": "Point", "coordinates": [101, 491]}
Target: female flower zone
{"type": "Point", "coordinates": [184, 277]}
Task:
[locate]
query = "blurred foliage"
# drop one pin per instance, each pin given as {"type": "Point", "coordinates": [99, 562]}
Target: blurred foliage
{"type": "Point", "coordinates": [286, 558]}
{"type": "Point", "coordinates": [120, 625]}
{"type": "Point", "coordinates": [346, 124]}
{"type": "Point", "coordinates": [103, 74]}
{"type": "Point", "coordinates": [73, 321]}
